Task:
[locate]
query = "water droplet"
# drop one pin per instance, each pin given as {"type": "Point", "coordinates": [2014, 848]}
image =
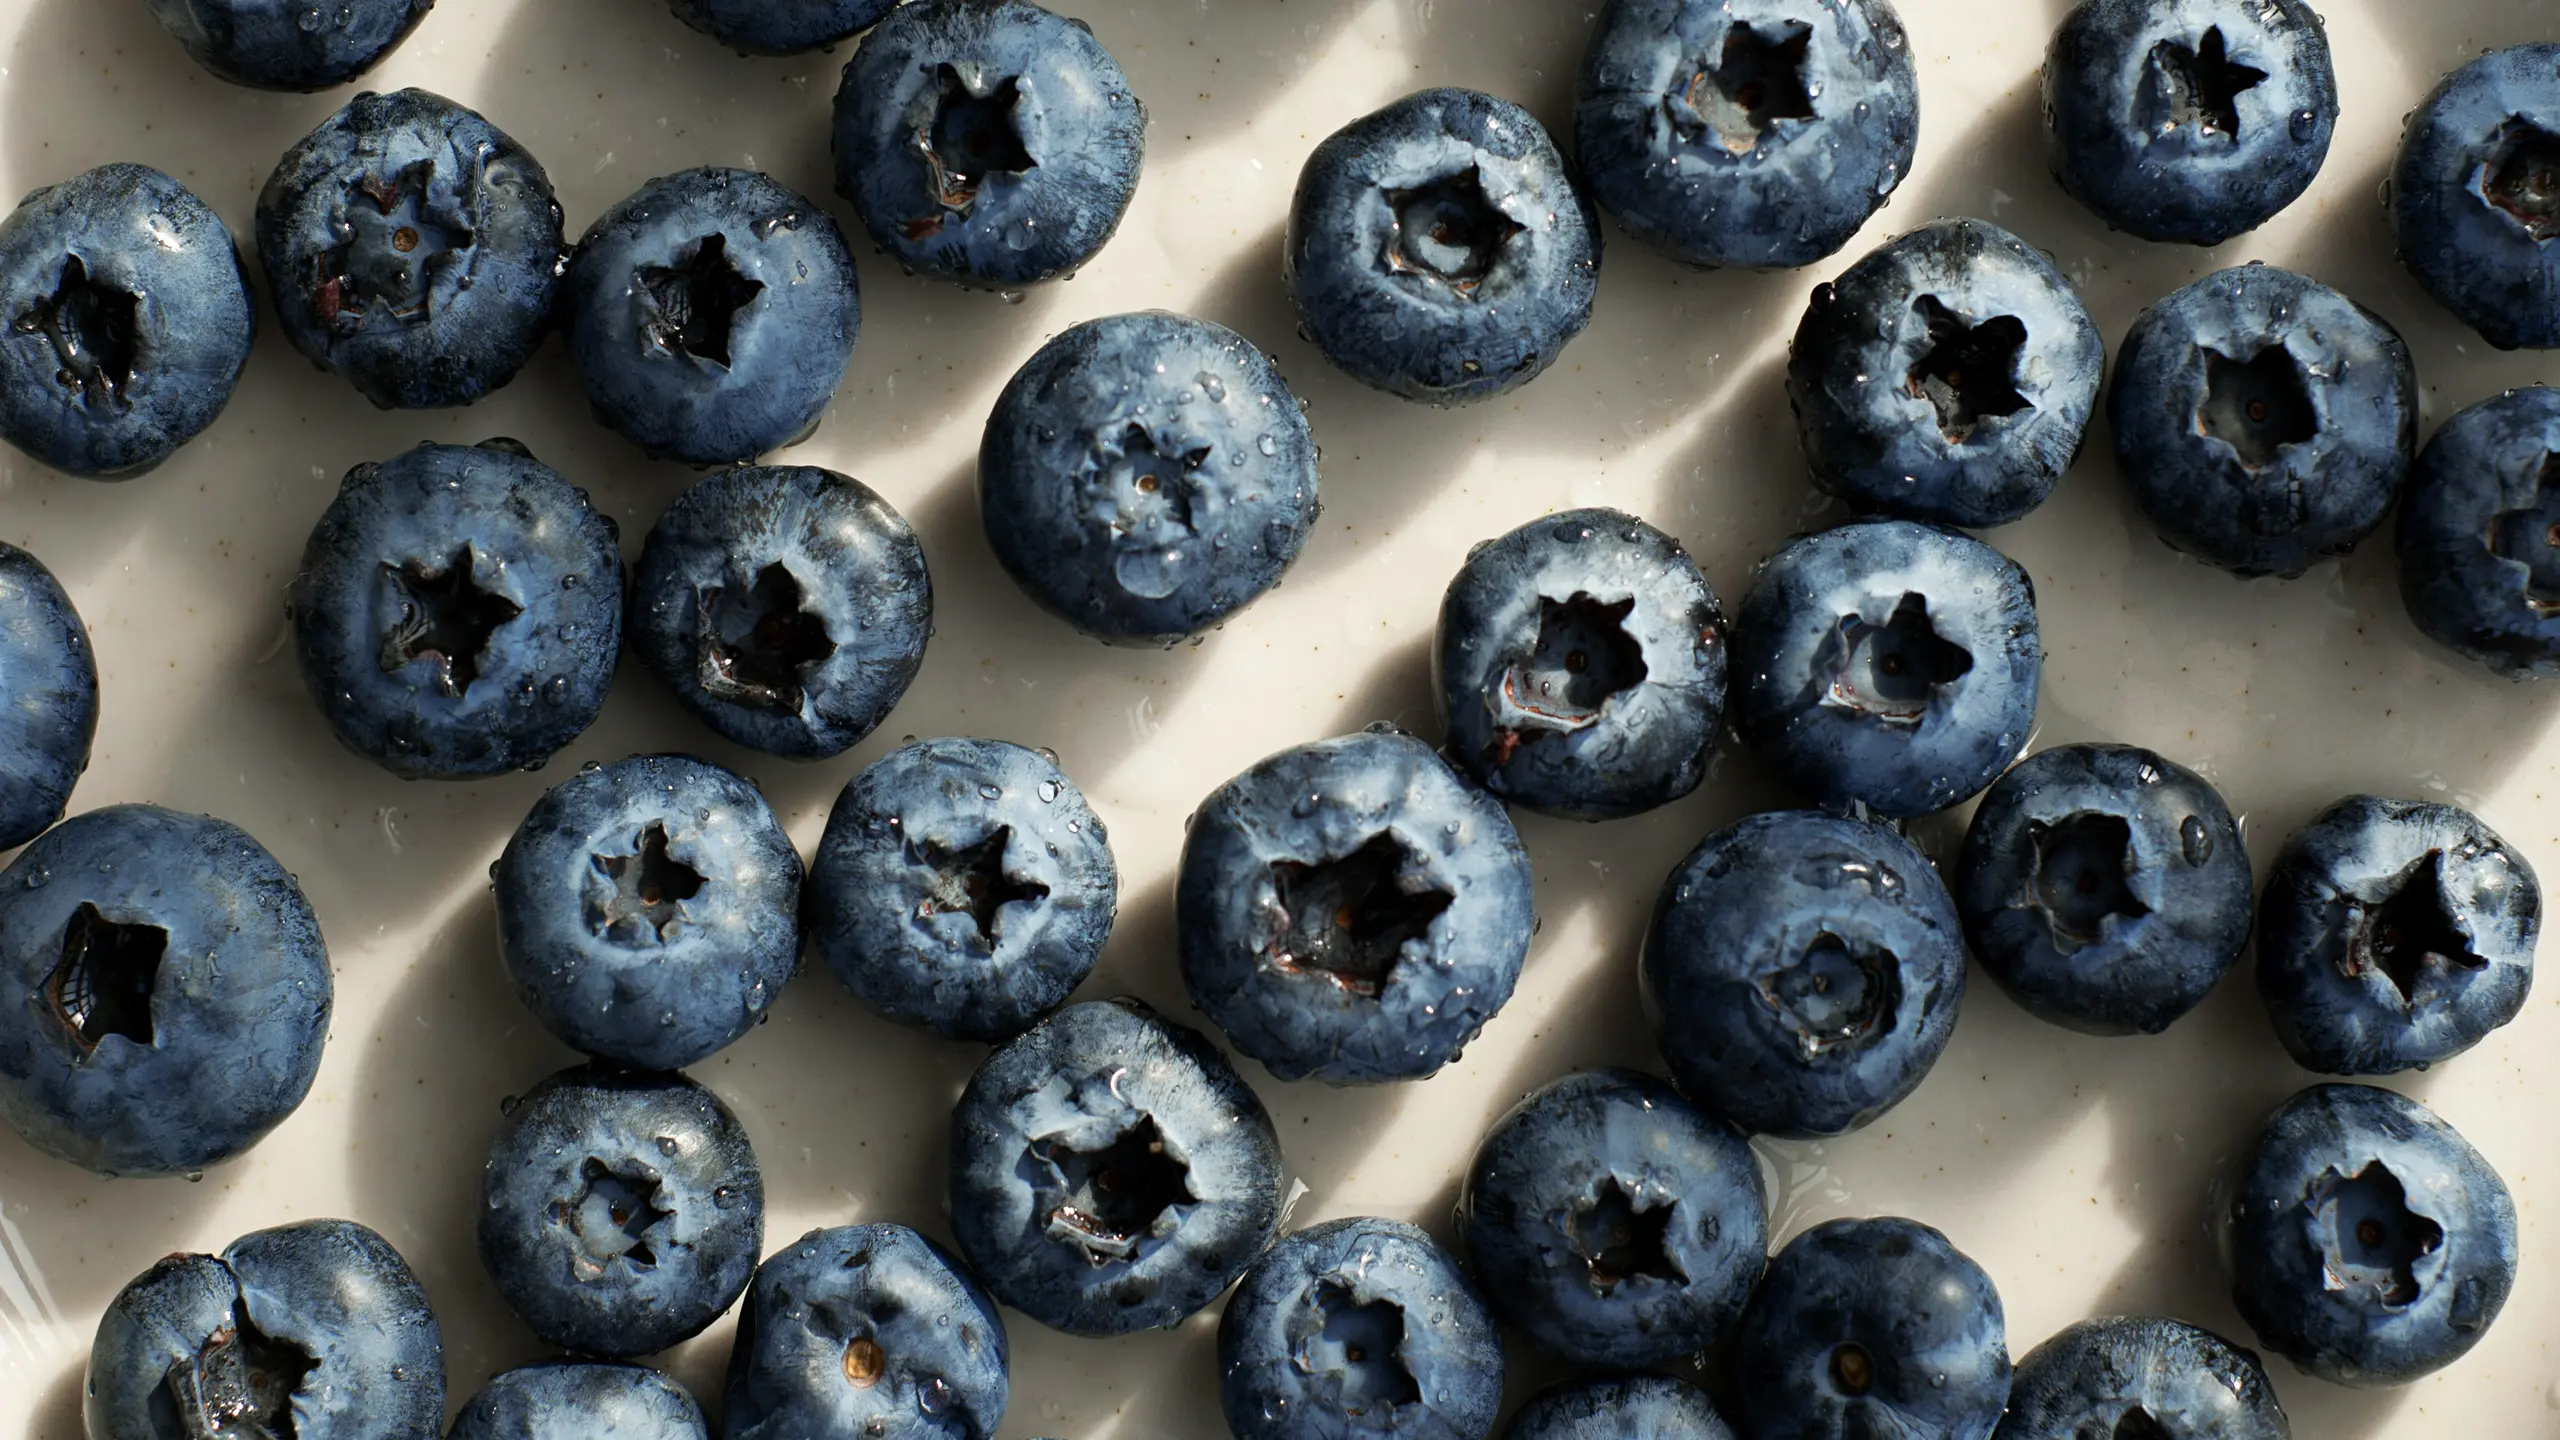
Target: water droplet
{"type": "Point", "coordinates": [1048, 791]}
{"type": "Point", "coordinates": [2194, 841]}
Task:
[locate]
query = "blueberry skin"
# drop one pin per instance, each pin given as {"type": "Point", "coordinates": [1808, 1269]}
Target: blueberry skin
{"type": "Point", "coordinates": [327, 1302]}
{"type": "Point", "coordinates": [380, 589]}
{"type": "Point", "coordinates": [2478, 569]}
{"type": "Point", "coordinates": [1441, 319]}
{"type": "Point", "coordinates": [850, 1332]}
{"type": "Point", "coordinates": [1407, 887]}
{"type": "Point", "coordinates": [651, 1162]}
{"type": "Point", "coordinates": [963, 886]}
{"type": "Point", "coordinates": [2470, 210]}
{"type": "Point", "coordinates": [1803, 972]}
{"type": "Point", "coordinates": [1144, 477]}
{"type": "Point", "coordinates": [125, 321]}
{"type": "Point", "coordinates": [785, 605]}
{"type": "Point", "coordinates": [1108, 1087]}
{"type": "Point", "coordinates": [1715, 184]}
{"type": "Point", "coordinates": [756, 27]}
{"type": "Point", "coordinates": [274, 45]}
{"type": "Point", "coordinates": [1849, 691]}
{"type": "Point", "coordinates": [1621, 1407]}
{"type": "Point", "coordinates": [580, 1400]}
{"type": "Point", "coordinates": [1948, 376]}
{"type": "Point", "coordinates": [2110, 1376]}
{"type": "Point", "coordinates": [2327, 1164]}
{"type": "Point", "coordinates": [1556, 1204]}
{"type": "Point", "coordinates": [709, 354]}
{"type": "Point", "coordinates": [48, 697]}
{"type": "Point", "coordinates": [1045, 141]}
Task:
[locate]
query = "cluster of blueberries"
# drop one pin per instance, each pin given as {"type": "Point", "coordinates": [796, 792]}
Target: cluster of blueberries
{"type": "Point", "coordinates": [1352, 910]}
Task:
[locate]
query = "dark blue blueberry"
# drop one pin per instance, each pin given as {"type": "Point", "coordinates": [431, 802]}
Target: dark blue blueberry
{"type": "Point", "coordinates": [1357, 1328]}
{"type": "Point", "coordinates": [2475, 196]}
{"type": "Point", "coordinates": [1761, 133]}
{"type": "Point", "coordinates": [1110, 1171]}
{"type": "Point", "coordinates": [413, 248]}
{"type": "Point", "coordinates": [289, 44]}
{"type": "Point", "coordinates": [125, 321]}
{"type": "Point", "coordinates": [866, 1330]}
{"type": "Point", "coordinates": [1887, 663]}
{"type": "Point", "coordinates": [785, 605]}
{"type": "Point", "coordinates": [761, 27]}
{"type": "Point", "coordinates": [48, 697]}
{"type": "Point", "coordinates": [620, 1211]}
{"type": "Point", "coordinates": [458, 611]}
{"type": "Point", "coordinates": [2394, 935]}
{"type": "Point", "coordinates": [1580, 666]}
{"type": "Point", "coordinates": [166, 991]}
{"type": "Point", "coordinates": [1948, 376]}
{"type": "Point", "coordinates": [649, 910]}
{"type": "Point", "coordinates": [1803, 971]}
{"type": "Point", "coordinates": [987, 141]}
{"type": "Point", "coordinates": [2188, 120]}
{"type": "Point", "coordinates": [1439, 248]}
{"type": "Point", "coordinates": [2104, 887]}
{"type": "Point", "coordinates": [2367, 1242]}
{"type": "Point", "coordinates": [711, 315]}
{"type": "Point", "coordinates": [2128, 1378]}
{"type": "Point", "coordinates": [2479, 534]}
{"type": "Point", "coordinates": [964, 886]}
{"type": "Point", "coordinates": [1352, 910]}
{"type": "Point", "coordinates": [1621, 1407]}
{"type": "Point", "coordinates": [314, 1330]}
{"type": "Point", "coordinates": [580, 1400]}
{"type": "Point", "coordinates": [1613, 1223]}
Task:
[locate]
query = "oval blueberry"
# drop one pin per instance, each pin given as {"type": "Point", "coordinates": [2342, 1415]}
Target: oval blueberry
{"type": "Point", "coordinates": [48, 697]}
{"type": "Point", "coordinates": [580, 1400]}
{"type": "Point", "coordinates": [2138, 1377]}
{"type": "Point", "coordinates": [2475, 196]}
{"type": "Point", "coordinates": [1619, 1407]}
{"type": "Point", "coordinates": [289, 44]}
{"type": "Point", "coordinates": [2478, 535]}
{"type": "Point", "coordinates": [759, 27]}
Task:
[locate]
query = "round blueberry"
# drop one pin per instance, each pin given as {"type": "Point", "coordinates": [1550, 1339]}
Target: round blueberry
{"type": "Point", "coordinates": [125, 321]}
{"type": "Point", "coordinates": [1613, 1223]}
{"type": "Point", "coordinates": [458, 612]}
{"type": "Point", "coordinates": [785, 605]}
{"type": "Point", "coordinates": [1620, 1407]}
{"type": "Point", "coordinates": [1110, 1171]}
{"type": "Point", "coordinates": [2479, 535]}
{"type": "Point", "coordinates": [964, 886]}
{"type": "Point", "coordinates": [620, 1211]}
{"type": "Point", "coordinates": [2141, 1377]}
{"type": "Point", "coordinates": [2475, 196]}
{"type": "Point", "coordinates": [580, 1400]}
{"type": "Point", "coordinates": [48, 697]}
{"type": "Point", "coordinates": [761, 27]}
{"type": "Point", "coordinates": [289, 44]}
{"type": "Point", "coordinates": [1803, 971]}
{"type": "Point", "coordinates": [1439, 248]}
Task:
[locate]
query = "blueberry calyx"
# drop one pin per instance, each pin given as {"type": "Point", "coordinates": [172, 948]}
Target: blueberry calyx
{"type": "Point", "coordinates": [1448, 230]}
{"type": "Point", "coordinates": [1147, 492]}
{"type": "Point", "coordinates": [1115, 1195]}
{"type": "Point", "coordinates": [2411, 928]}
{"type": "Point", "coordinates": [758, 649]}
{"type": "Point", "coordinates": [2197, 87]}
{"type": "Point", "coordinates": [1852, 1369]}
{"type": "Point", "coordinates": [972, 881]}
{"type": "Point", "coordinates": [864, 1362]}
{"type": "Point", "coordinates": [1349, 919]}
{"type": "Point", "coordinates": [102, 986]}
{"type": "Point", "coordinates": [1834, 994]}
{"type": "Point", "coordinates": [2081, 864]}
{"type": "Point", "coordinates": [2522, 177]}
{"type": "Point", "coordinates": [2258, 405]}
{"type": "Point", "coordinates": [650, 887]}
{"type": "Point", "coordinates": [1755, 83]}
{"type": "Point", "coordinates": [1583, 657]}
{"type": "Point", "coordinates": [972, 134]}
{"type": "Point", "coordinates": [95, 330]}
{"type": "Point", "coordinates": [1361, 1344]}
{"type": "Point", "coordinates": [2369, 1237]}
{"type": "Point", "coordinates": [239, 1385]}
{"type": "Point", "coordinates": [445, 617]}
{"type": "Point", "coordinates": [1889, 672]}
{"type": "Point", "coordinates": [615, 1217]}
{"type": "Point", "coordinates": [1620, 1239]}
{"type": "Point", "coordinates": [1969, 374]}
{"type": "Point", "coordinates": [392, 246]}
{"type": "Point", "coordinates": [2530, 537]}
{"type": "Point", "coordinates": [692, 304]}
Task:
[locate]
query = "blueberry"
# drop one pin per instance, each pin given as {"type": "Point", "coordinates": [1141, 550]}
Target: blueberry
{"type": "Point", "coordinates": [1440, 249]}
{"type": "Point", "coordinates": [1613, 1223]}
{"type": "Point", "coordinates": [1580, 666]}
{"type": "Point", "coordinates": [869, 1330]}
{"type": "Point", "coordinates": [2367, 1242]}
{"type": "Point", "coordinates": [711, 315]}
{"type": "Point", "coordinates": [125, 321]}
{"type": "Point", "coordinates": [2479, 534]}
{"type": "Point", "coordinates": [785, 605]}
{"type": "Point", "coordinates": [1948, 376]}
{"type": "Point", "coordinates": [1759, 134]}
{"type": "Point", "coordinates": [2141, 1379]}
{"type": "Point", "coordinates": [987, 141]}
{"type": "Point", "coordinates": [1871, 1328]}
{"type": "Point", "coordinates": [580, 1400]}
{"type": "Point", "coordinates": [1110, 1171]}
{"type": "Point", "coordinates": [171, 991]}
{"type": "Point", "coordinates": [2104, 887]}
{"type": "Point", "coordinates": [2475, 196]}
{"type": "Point", "coordinates": [458, 611]}
{"type": "Point", "coordinates": [1621, 1407]}
{"type": "Point", "coordinates": [1356, 1328]}
{"type": "Point", "coordinates": [1351, 910]}
{"type": "Point", "coordinates": [964, 886]}
{"type": "Point", "coordinates": [758, 27]}
{"type": "Point", "coordinates": [1889, 663]}
{"type": "Point", "coordinates": [2190, 120]}
{"type": "Point", "coordinates": [48, 697]}
{"type": "Point", "coordinates": [1803, 971]}
{"type": "Point", "coordinates": [289, 44]}
{"type": "Point", "coordinates": [2394, 935]}
{"type": "Point", "coordinates": [413, 248]}
{"type": "Point", "coordinates": [314, 1330]}
{"type": "Point", "coordinates": [621, 1211]}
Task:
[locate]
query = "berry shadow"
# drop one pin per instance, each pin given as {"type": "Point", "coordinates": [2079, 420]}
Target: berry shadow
{"type": "Point", "coordinates": [55, 1414]}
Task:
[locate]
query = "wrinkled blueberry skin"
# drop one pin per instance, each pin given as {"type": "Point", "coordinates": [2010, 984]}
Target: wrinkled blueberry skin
{"type": "Point", "coordinates": [2107, 1377]}
{"type": "Point", "coordinates": [1872, 431]}
{"type": "Point", "coordinates": [875, 1299]}
{"type": "Point", "coordinates": [2104, 887]}
{"type": "Point", "coordinates": [154, 336]}
{"type": "Point", "coordinates": [220, 1039]}
{"type": "Point", "coordinates": [1050, 100]}
{"type": "Point", "coordinates": [457, 313]}
{"type": "Point", "coordinates": [1091, 1076]}
{"type": "Point", "coordinates": [1803, 972]}
{"type": "Point", "coordinates": [922, 840]}
{"type": "Point", "coordinates": [536, 547]}
{"type": "Point", "coordinates": [2494, 267]}
{"type": "Point", "coordinates": [580, 1400]}
{"type": "Point", "coordinates": [593, 1167]}
{"type": "Point", "coordinates": [803, 671]}
{"type": "Point", "coordinates": [1620, 1407]}
{"type": "Point", "coordinates": [1536, 1223]}
{"type": "Point", "coordinates": [759, 27]}
{"type": "Point", "coordinates": [2124, 137]}
{"type": "Point", "coordinates": [48, 697]}
{"type": "Point", "coordinates": [1399, 309]}
{"type": "Point", "coordinates": [267, 45]}
{"type": "Point", "coordinates": [329, 1294]}
{"type": "Point", "coordinates": [2285, 1255]}
{"type": "Point", "coordinates": [2478, 570]}
{"type": "Point", "coordinates": [2361, 909]}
